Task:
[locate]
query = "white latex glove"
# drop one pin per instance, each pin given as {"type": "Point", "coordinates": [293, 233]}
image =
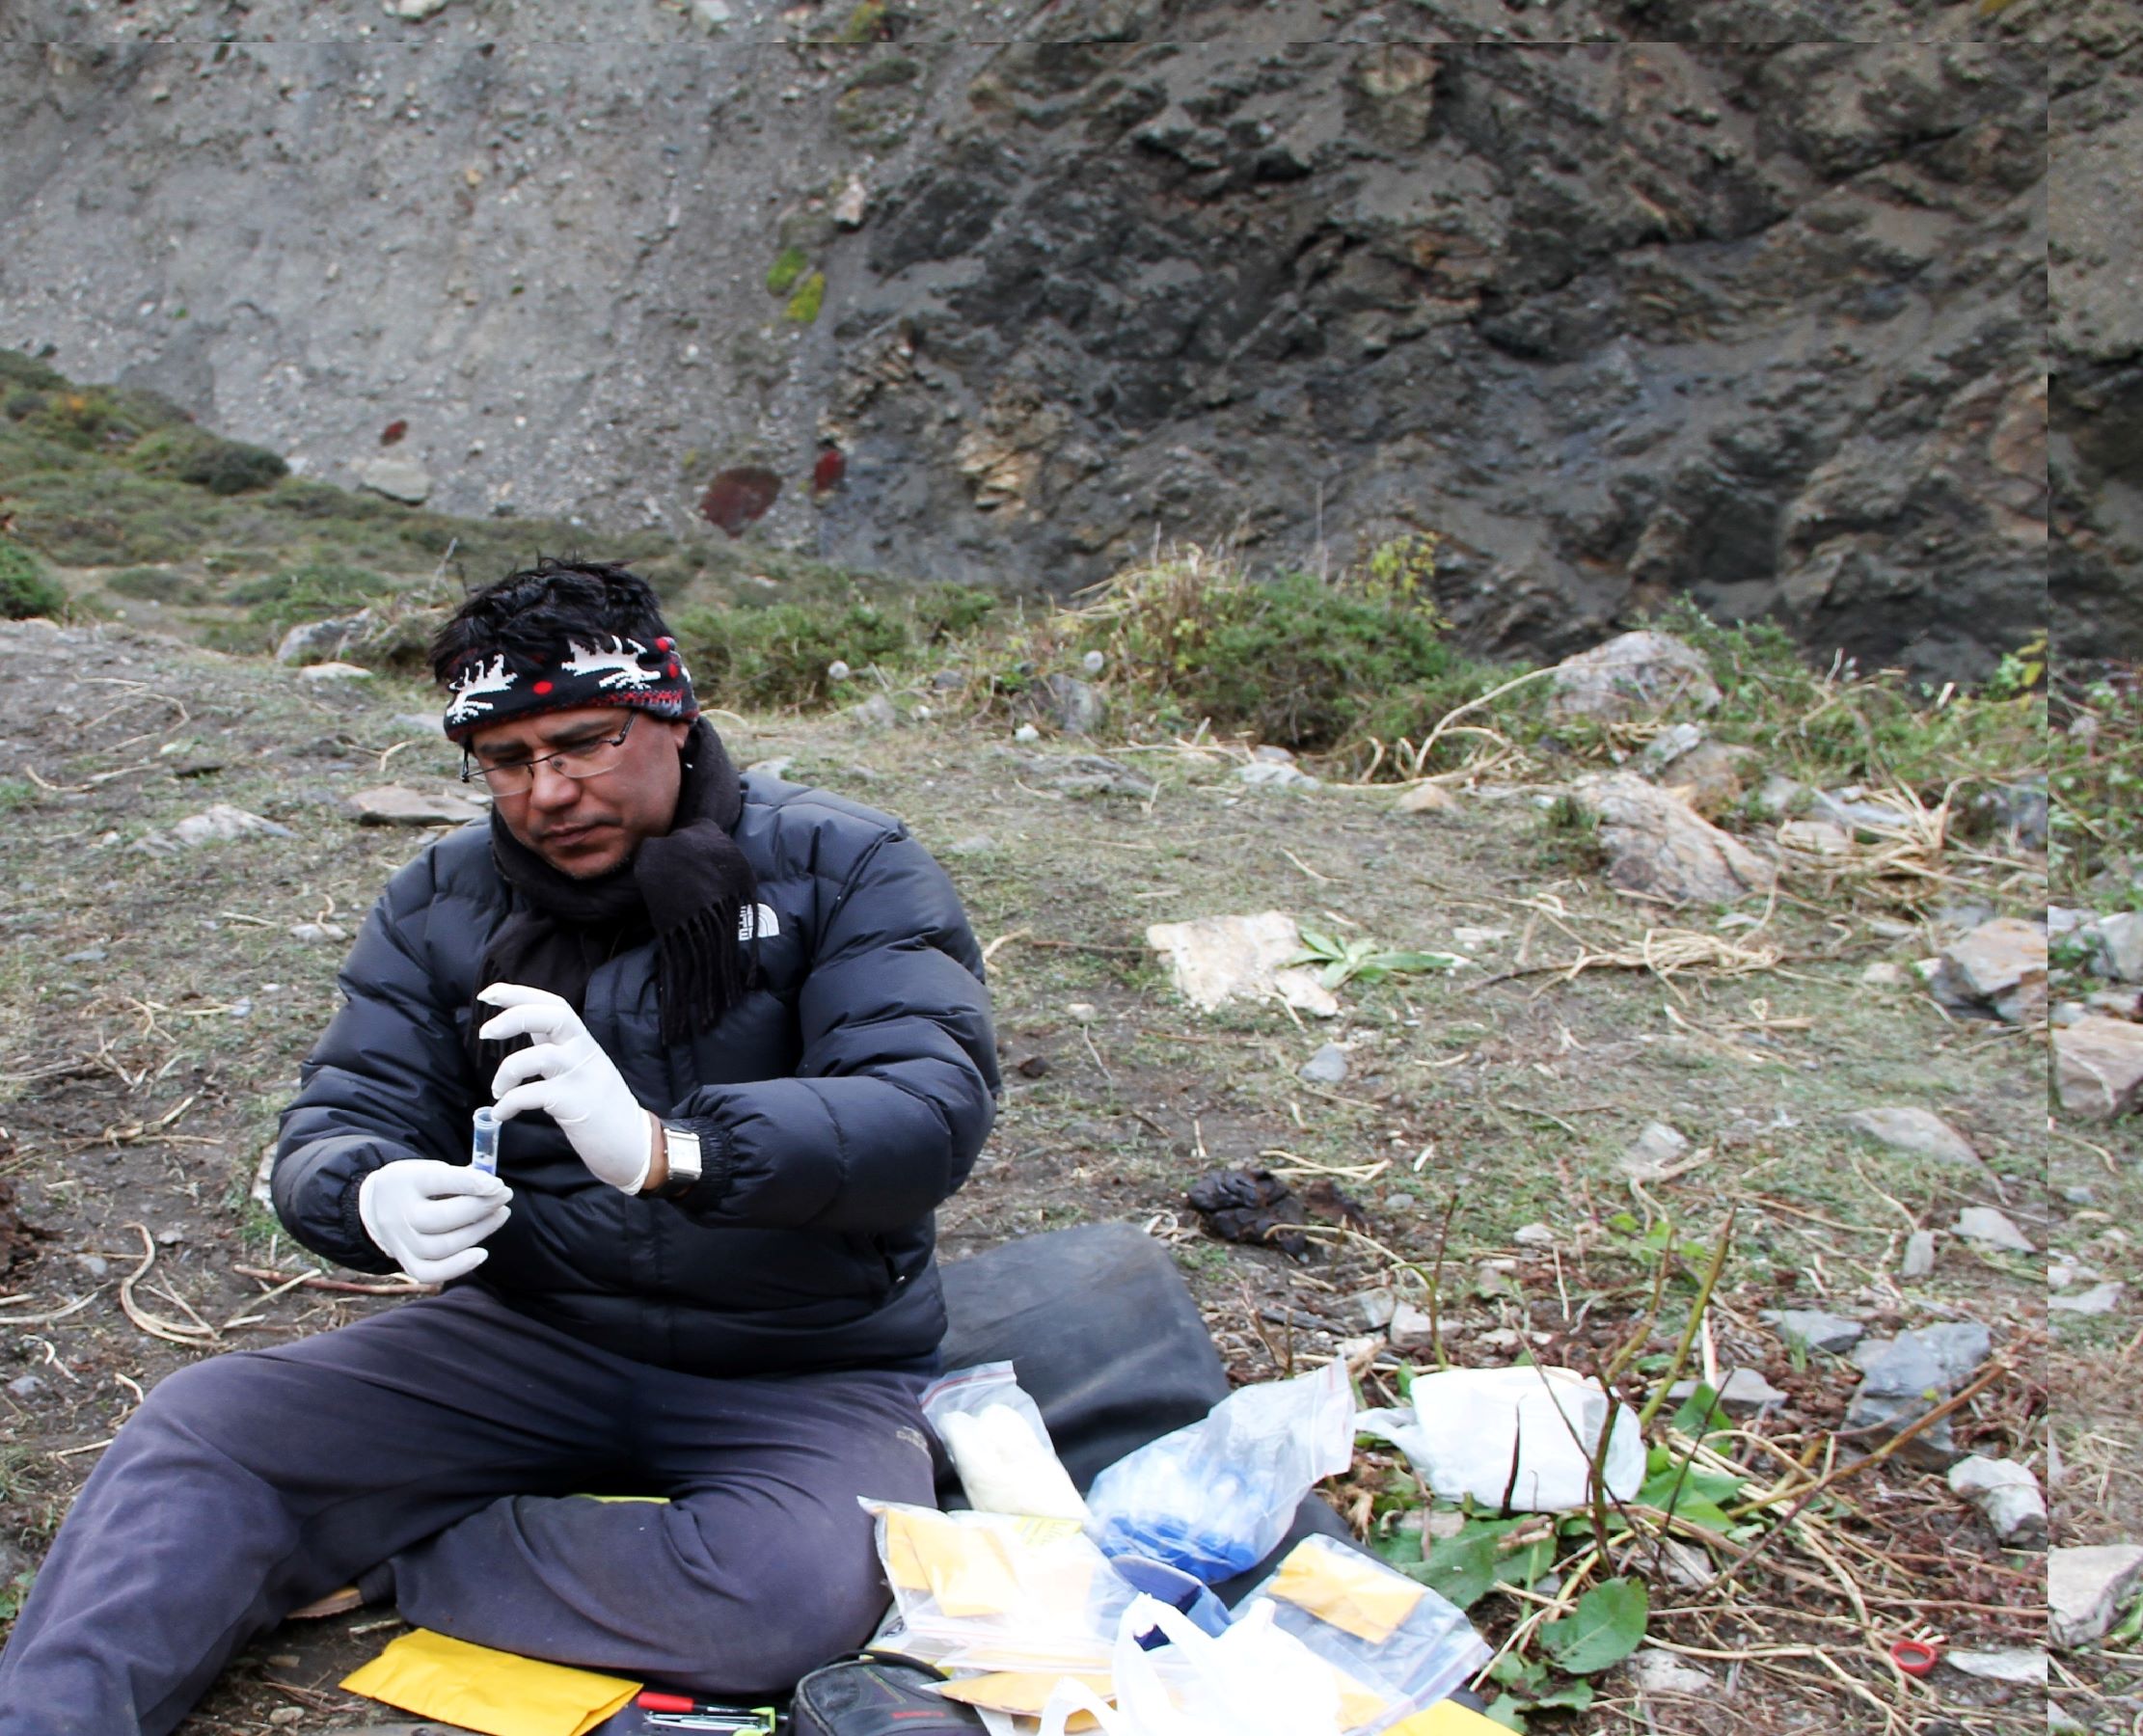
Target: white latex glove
{"type": "Point", "coordinates": [428, 1216]}
{"type": "Point", "coordinates": [567, 1075]}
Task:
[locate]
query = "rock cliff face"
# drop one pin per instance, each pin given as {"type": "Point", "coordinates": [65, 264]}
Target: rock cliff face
{"type": "Point", "coordinates": [2097, 270]}
{"type": "Point", "coordinates": [1627, 300]}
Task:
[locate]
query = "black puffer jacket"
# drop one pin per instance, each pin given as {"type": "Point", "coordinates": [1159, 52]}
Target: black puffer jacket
{"type": "Point", "coordinates": [837, 1104]}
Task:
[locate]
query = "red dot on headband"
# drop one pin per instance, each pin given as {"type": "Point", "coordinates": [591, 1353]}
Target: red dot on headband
{"type": "Point", "coordinates": [672, 670]}
{"type": "Point", "coordinates": [665, 644]}
{"type": "Point", "coordinates": [541, 687]}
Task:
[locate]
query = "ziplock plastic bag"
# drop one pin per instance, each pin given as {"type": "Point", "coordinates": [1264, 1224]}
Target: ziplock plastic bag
{"type": "Point", "coordinates": [999, 1444]}
{"type": "Point", "coordinates": [998, 1590]}
{"type": "Point", "coordinates": [1217, 1497]}
{"type": "Point", "coordinates": [1250, 1680]}
{"type": "Point", "coordinates": [1523, 1436]}
{"type": "Point", "coordinates": [1397, 1646]}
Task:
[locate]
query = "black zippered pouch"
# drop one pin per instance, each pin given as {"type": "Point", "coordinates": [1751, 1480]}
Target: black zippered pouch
{"type": "Point", "coordinates": [876, 1693]}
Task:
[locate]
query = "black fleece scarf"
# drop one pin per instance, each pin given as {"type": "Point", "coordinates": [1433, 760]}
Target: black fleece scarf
{"type": "Point", "coordinates": [689, 889]}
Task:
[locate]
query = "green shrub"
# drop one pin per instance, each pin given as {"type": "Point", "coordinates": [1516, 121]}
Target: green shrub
{"type": "Point", "coordinates": [950, 612]}
{"type": "Point", "coordinates": [223, 467]}
{"type": "Point", "coordinates": [88, 420]}
{"type": "Point", "coordinates": [22, 370]}
{"type": "Point", "coordinates": [1293, 659]}
{"type": "Point", "coordinates": [312, 592]}
{"type": "Point", "coordinates": [2094, 753]}
{"type": "Point", "coordinates": [154, 584]}
{"type": "Point", "coordinates": [868, 21]}
{"type": "Point", "coordinates": [777, 656]}
{"type": "Point", "coordinates": [1877, 729]}
{"type": "Point", "coordinates": [892, 69]}
{"type": "Point", "coordinates": [26, 588]}
{"type": "Point", "coordinates": [1569, 841]}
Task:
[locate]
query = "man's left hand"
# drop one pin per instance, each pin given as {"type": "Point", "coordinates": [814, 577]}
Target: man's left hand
{"type": "Point", "coordinates": [567, 1075]}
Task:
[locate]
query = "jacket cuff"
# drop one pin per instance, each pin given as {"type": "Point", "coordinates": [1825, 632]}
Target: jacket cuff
{"type": "Point", "coordinates": [365, 1254]}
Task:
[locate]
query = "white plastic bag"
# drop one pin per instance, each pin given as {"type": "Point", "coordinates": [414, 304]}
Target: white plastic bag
{"type": "Point", "coordinates": [995, 1437]}
{"type": "Point", "coordinates": [1251, 1680]}
{"type": "Point", "coordinates": [1216, 1497]}
{"type": "Point", "coordinates": [1523, 1437]}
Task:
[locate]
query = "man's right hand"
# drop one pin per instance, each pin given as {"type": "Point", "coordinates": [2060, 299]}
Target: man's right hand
{"type": "Point", "coordinates": [428, 1216]}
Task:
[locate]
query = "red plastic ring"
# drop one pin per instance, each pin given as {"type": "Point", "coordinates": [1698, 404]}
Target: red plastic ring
{"type": "Point", "coordinates": [1913, 1656]}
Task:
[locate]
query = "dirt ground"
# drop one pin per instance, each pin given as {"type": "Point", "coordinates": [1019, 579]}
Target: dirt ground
{"type": "Point", "coordinates": [154, 1005]}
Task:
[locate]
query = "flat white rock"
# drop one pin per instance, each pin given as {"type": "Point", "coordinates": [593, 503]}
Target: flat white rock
{"type": "Point", "coordinates": [1215, 959]}
{"type": "Point", "coordinates": [2085, 1586]}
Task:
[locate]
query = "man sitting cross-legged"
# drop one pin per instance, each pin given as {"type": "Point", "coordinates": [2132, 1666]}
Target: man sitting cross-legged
{"type": "Point", "coordinates": [737, 1033]}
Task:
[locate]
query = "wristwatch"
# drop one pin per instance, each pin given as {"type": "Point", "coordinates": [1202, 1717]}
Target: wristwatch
{"type": "Point", "coordinates": [682, 1153]}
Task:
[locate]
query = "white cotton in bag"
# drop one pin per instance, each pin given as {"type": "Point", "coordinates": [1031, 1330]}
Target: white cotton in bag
{"type": "Point", "coordinates": [1006, 1467]}
{"type": "Point", "coordinates": [994, 1436]}
{"type": "Point", "coordinates": [1465, 1424]}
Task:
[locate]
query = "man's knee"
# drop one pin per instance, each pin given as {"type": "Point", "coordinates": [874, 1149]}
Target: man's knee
{"type": "Point", "coordinates": [810, 1596]}
{"type": "Point", "coordinates": [218, 1401]}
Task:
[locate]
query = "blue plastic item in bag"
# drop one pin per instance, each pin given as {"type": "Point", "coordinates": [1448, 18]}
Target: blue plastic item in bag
{"type": "Point", "coordinates": [1216, 1498]}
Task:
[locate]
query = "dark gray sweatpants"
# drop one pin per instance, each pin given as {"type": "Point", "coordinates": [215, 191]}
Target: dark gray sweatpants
{"type": "Point", "coordinates": [454, 1438]}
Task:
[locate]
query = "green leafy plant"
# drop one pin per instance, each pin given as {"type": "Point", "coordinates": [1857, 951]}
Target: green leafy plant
{"type": "Point", "coordinates": [1529, 1686]}
{"type": "Point", "coordinates": [1346, 960]}
{"type": "Point", "coordinates": [788, 264]}
{"type": "Point", "coordinates": [1605, 1627]}
{"type": "Point", "coordinates": [13, 1591]}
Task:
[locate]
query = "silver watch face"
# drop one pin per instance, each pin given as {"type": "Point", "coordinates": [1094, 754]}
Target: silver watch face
{"type": "Point", "coordinates": [684, 1154]}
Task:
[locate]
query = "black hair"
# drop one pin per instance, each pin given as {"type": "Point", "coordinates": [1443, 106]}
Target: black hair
{"type": "Point", "coordinates": [533, 613]}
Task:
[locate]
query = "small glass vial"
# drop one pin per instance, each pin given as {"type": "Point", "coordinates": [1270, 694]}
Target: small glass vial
{"type": "Point", "coordinates": [483, 1149]}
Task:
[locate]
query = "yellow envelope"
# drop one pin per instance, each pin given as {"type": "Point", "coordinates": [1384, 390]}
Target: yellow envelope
{"type": "Point", "coordinates": [1445, 1718]}
{"type": "Point", "coordinates": [964, 1567]}
{"type": "Point", "coordinates": [1352, 1592]}
{"type": "Point", "coordinates": [494, 1692]}
{"type": "Point", "coordinates": [1025, 1692]}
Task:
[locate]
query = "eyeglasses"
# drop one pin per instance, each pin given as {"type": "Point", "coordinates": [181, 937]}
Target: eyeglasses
{"type": "Point", "coordinates": [583, 759]}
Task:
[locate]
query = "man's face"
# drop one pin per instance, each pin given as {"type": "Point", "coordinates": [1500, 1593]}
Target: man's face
{"type": "Point", "coordinates": [583, 826]}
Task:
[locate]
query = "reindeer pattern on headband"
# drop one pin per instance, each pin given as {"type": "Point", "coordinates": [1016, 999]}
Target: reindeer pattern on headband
{"type": "Point", "coordinates": [493, 677]}
{"type": "Point", "coordinates": [616, 667]}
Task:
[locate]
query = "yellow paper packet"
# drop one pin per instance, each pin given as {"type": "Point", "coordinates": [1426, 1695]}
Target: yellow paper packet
{"type": "Point", "coordinates": [1445, 1718]}
{"type": "Point", "coordinates": [1025, 1692]}
{"type": "Point", "coordinates": [492, 1692]}
{"type": "Point", "coordinates": [965, 1562]}
{"type": "Point", "coordinates": [1352, 1592]}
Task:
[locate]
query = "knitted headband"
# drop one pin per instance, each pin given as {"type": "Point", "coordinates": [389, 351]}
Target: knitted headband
{"type": "Point", "coordinates": [491, 690]}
